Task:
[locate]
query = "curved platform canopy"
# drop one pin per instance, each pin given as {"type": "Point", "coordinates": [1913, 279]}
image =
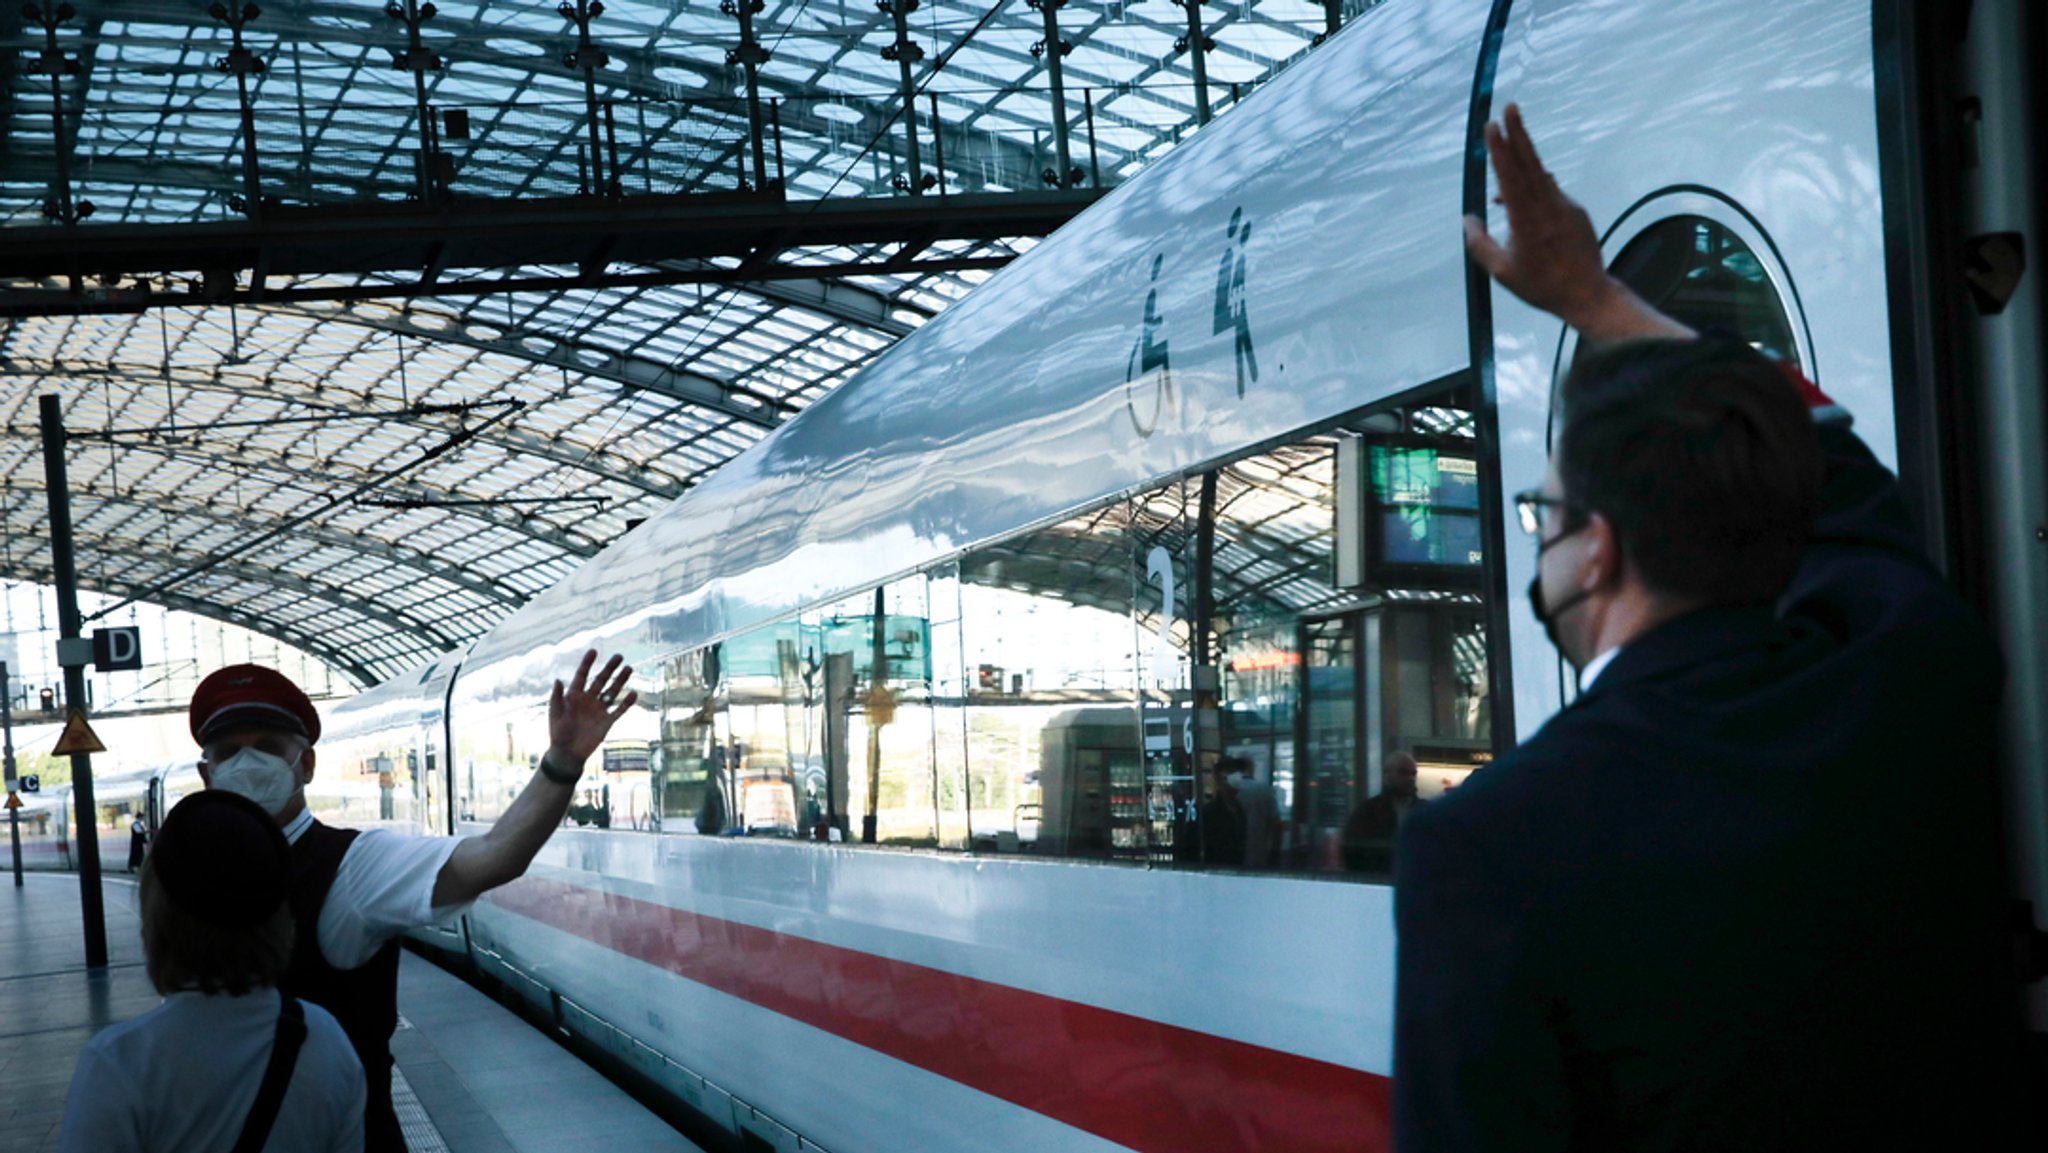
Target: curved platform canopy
{"type": "Point", "coordinates": [497, 279]}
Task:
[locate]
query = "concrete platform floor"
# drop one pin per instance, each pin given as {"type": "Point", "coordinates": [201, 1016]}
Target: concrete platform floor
{"type": "Point", "coordinates": [472, 1077]}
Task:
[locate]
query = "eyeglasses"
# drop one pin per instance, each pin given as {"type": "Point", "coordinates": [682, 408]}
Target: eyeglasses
{"type": "Point", "coordinates": [1529, 506]}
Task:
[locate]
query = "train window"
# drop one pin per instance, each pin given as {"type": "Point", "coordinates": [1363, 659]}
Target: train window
{"type": "Point", "coordinates": [367, 782]}
{"type": "Point", "coordinates": [497, 758]}
{"type": "Point", "coordinates": [687, 790]}
{"type": "Point", "coordinates": [762, 771]}
{"type": "Point", "coordinates": [1190, 677]}
{"type": "Point", "coordinates": [1052, 729]}
{"type": "Point", "coordinates": [818, 727]}
{"type": "Point", "coordinates": [868, 768]}
{"type": "Point", "coordinates": [1700, 271]}
{"type": "Point", "coordinates": [948, 705]}
{"type": "Point", "coordinates": [1336, 674]}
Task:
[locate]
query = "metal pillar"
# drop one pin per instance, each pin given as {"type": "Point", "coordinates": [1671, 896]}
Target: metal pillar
{"type": "Point", "coordinates": [242, 64]}
{"type": "Point", "coordinates": [1094, 158]}
{"type": "Point", "coordinates": [877, 713]}
{"type": "Point", "coordinates": [1054, 49]}
{"type": "Point", "coordinates": [749, 55]}
{"type": "Point", "coordinates": [906, 52]}
{"type": "Point", "coordinates": [1333, 20]}
{"type": "Point", "coordinates": [589, 58]}
{"type": "Point", "coordinates": [7, 760]}
{"type": "Point", "coordinates": [55, 63]}
{"type": "Point", "coordinates": [419, 60]}
{"type": "Point", "coordinates": [1200, 44]}
{"type": "Point", "coordinates": [65, 573]}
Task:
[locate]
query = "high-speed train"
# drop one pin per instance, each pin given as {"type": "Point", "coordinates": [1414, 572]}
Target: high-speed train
{"type": "Point", "coordinates": [46, 824]}
{"type": "Point", "coordinates": [912, 842]}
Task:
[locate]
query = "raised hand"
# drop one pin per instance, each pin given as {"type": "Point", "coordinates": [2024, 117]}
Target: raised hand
{"type": "Point", "coordinates": [1552, 257]}
{"type": "Point", "coordinates": [583, 711]}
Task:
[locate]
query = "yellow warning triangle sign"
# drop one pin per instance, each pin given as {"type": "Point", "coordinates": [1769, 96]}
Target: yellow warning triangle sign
{"type": "Point", "coordinates": [77, 737]}
{"type": "Point", "coordinates": [14, 800]}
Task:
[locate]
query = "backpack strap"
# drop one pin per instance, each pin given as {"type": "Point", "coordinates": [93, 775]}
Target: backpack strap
{"type": "Point", "coordinates": [277, 1076]}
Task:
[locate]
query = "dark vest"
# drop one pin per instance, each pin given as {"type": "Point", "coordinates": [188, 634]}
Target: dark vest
{"type": "Point", "coordinates": [364, 999]}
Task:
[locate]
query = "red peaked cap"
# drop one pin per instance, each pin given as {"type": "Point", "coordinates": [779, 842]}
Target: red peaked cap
{"type": "Point", "coordinates": [251, 695]}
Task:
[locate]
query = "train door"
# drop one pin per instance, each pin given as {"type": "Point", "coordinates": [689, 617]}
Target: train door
{"type": "Point", "coordinates": [1736, 195]}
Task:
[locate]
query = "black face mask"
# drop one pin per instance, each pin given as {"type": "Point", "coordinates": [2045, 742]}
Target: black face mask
{"type": "Point", "coordinates": [1547, 615]}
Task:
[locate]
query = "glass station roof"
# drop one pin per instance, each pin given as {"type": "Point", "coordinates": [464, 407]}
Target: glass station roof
{"type": "Point", "coordinates": [380, 480]}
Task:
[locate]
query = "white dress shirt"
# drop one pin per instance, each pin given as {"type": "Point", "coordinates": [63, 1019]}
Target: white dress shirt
{"type": "Point", "coordinates": [1596, 666]}
{"type": "Point", "coordinates": [385, 887]}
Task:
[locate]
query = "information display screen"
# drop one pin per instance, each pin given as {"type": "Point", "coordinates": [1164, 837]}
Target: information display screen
{"type": "Point", "coordinates": [1424, 509]}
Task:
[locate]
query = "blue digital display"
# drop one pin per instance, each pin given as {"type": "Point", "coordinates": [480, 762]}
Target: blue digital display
{"type": "Point", "coordinates": [1426, 505]}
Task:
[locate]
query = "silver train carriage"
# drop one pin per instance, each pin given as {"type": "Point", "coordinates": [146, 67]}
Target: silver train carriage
{"type": "Point", "coordinates": [48, 829]}
{"type": "Point", "coordinates": [905, 846]}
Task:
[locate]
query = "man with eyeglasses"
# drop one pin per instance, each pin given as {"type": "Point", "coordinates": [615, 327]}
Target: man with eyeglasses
{"type": "Point", "coordinates": [353, 893]}
{"type": "Point", "coordinates": [1712, 904]}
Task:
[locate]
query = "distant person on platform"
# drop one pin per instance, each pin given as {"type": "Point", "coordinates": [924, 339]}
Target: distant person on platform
{"type": "Point", "coordinates": [138, 841]}
{"type": "Point", "coordinates": [225, 1063]}
{"type": "Point", "coordinates": [1712, 904]}
{"type": "Point", "coordinates": [1373, 827]}
{"type": "Point", "coordinates": [354, 893]}
{"type": "Point", "coordinates": [1220, 818]}
{"type": "Point", "coordinates": [1261, 810]}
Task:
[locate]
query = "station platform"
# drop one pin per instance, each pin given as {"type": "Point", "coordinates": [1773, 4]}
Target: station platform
{"type": "Point", "coordinates": [472, 1077]}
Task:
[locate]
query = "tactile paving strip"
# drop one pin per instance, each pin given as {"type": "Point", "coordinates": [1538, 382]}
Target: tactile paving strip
{"type": "Point", "coordinates": [420, 1134]}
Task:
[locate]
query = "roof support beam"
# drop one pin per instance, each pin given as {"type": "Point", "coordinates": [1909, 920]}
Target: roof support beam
{"type": "Point", "coordinates": [592, 459]}
{"type": "Point", "coordinates": [327, 253]}
{"type": "Point", "coordinates": [287, 476]}
{"type": "Point", "coordinates": [367, 672]}
{"type": "Point", "coordinates": [172, 506]}
{"type": "Point", "coordinates": [560, 350]}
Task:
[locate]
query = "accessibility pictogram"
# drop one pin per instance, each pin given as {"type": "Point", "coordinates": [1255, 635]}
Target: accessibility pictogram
{"type": "Point", "coordinates": [77, 737]}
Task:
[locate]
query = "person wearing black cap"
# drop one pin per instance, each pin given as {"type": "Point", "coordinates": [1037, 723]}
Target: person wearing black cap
{"type": "Point", "coordinates": [225, 1063]}
{"type": "Point", "coordinates": [354, 892]}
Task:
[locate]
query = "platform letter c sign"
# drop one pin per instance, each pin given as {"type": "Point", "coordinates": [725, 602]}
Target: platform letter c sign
{"type": "Point", "coordinates": [1159, 569]}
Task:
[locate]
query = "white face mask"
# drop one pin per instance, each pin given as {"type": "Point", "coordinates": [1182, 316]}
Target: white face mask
{"type": "Point", "coordinates": [265, 778]}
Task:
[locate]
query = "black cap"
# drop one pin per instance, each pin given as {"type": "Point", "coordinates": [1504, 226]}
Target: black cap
{"type": "Point", "coordinates": [221, 859]}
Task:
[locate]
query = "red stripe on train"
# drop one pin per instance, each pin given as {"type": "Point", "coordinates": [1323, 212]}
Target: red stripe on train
{"type": "Point", "coordinates": [1153, 1087]}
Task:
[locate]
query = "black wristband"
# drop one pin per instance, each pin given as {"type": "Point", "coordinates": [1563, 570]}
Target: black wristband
{"type": "Point", "coordinates": [559, 774]}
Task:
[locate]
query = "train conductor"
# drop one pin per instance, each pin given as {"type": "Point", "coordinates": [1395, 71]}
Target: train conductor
{"type": "Point", "coordinates": [1716, 902]}
{"type": "Point", "coordinates": [354, 892]}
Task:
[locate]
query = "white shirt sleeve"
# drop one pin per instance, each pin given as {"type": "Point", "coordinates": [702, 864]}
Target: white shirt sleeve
{"type": "Point", "coordinates": [385, 887]}
{"type": "Point", "coordinates": [99, 1112]}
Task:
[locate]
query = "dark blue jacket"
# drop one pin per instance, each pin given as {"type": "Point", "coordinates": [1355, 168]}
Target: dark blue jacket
{"type": "Point", "coordinates": [1742, 894]}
